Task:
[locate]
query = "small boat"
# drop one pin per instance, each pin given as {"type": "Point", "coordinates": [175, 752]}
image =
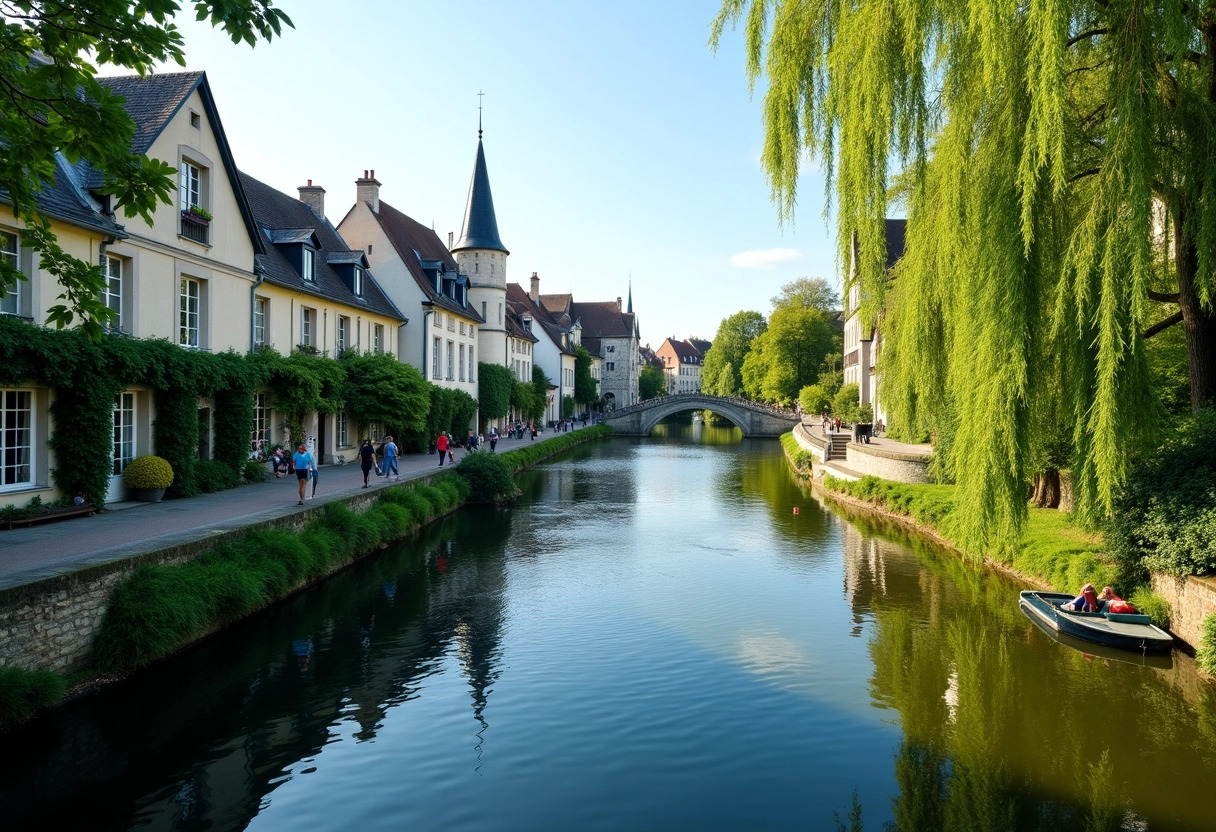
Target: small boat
{"type": "Point", "coordinates": [1092, 650]}
{"type": "Point", "coordinates": [1127, 631]}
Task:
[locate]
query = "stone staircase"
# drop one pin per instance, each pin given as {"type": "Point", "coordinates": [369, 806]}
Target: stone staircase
{"type": "Point", "coordinates": [837, 442]}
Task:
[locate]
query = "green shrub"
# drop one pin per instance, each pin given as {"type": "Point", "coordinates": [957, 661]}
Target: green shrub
{"type": "Point", "coordinates": [844, 403]}
{"type": "Point", "coordinates": [211, 476]}
{"type": "Point", "coordinates": [150, 614]}
{"type": "Point", "coordinates": [489, 478]}
{"type": "Point", "coordinates": [802, 460]}
{"type": "Point", "coordinates": [255, 470]}
{"type": "Point", "coordinates": [1153, 605]}
{"type": "Point", "coordinates": [1165, 517]}
{"type": "Point", "coordinates": [1205, 654]}
{"type": "Point", "coordinates": [814, 399]}
{"type": "Point", "coordinates": [25, 692]}
{"type": "Point", "coordinates": [421, 510]}
{"type": "Point", "coordinates": [147, 472]}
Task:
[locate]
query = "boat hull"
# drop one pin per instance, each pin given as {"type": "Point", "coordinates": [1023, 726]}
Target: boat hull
{"type": "Point", "coordinates": [1044, 607]}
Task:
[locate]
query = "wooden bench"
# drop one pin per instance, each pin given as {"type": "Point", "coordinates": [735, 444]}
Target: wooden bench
{"type": "Point", "coordinates": [85, 510]}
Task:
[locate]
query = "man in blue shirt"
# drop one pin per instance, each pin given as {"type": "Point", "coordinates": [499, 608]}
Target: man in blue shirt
{"type": "Point", "coordinates": [390, 457]}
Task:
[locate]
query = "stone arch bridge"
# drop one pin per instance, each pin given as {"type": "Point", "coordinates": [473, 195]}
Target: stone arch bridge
{"type": "Point", "coordinates": [752, 418]}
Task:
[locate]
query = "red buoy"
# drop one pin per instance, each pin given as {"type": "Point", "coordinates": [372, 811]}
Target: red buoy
{"type": "Point", "coordinates": [795, 509]}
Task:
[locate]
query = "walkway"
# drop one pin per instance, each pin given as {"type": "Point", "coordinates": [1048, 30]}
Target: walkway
{"type": "Point", "coordinates": [814, 427]}
{"type": "Point", "coordinates": [127, 529]}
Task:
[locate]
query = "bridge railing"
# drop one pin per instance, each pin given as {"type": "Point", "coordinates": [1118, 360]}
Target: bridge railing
{"type": "Point", "coordinates": [738, 401]}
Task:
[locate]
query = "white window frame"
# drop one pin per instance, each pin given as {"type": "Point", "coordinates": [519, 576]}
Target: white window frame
{"type": "Point", "coordinates": [261, 422]}
{"type": "Point", "coordinates": [260, 308]}
{"type": "Point", "coordinates": [307, 319]}
{"type": "Point", "coordinates": [451, 352]}
{"type": "Point", "coordinates": [342, 429]}
{"type": "Point", "coordinates": [357, 281]}
{"type": "Point", "coordinates": [462, 362]}
{"type": "Point", "coordinates": [10, 304]}
{"type": "Point", "coordinates": [190, 312]}
{"type": "Point", "coordinates": [343, 332]}
{"type": "Point", "coordinates": [308, 264]}
{"type": "Point", "coordinates": [123, 421]}
{"type": "Point", "coordinates": [378, 338]}
{"type": "Point", "coordinates": [190, 185]}
{"type": "Point", "coordinates": [16, 423]}
{"type": "Point", "coordinates": [436, 358]}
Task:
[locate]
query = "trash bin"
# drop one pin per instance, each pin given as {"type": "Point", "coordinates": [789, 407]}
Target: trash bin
{"type": "Point", "coordinates": [862, 432]}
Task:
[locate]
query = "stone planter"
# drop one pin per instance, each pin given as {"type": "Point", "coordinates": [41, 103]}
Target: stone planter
{"type": "Point", "coordinates": [148, 495]}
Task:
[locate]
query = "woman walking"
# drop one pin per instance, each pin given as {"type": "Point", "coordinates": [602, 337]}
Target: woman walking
{"type": "Point", "coordinates": [442, 444]}
{"type": "Point", "coordinates": [304, 465]}
{"type": "Point", "coordinates": [367, 459]}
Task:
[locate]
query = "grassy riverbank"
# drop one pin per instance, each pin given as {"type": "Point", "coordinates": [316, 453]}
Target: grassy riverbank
{"type": "Point", "coordinates": [161, 608]}
{"type": "Point", "coordinates": [1053, 551]}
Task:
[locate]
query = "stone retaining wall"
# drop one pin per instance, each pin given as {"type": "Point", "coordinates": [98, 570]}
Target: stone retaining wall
{"type": "Point", "coordinates": [50, 624]}
{"type": "Point", "coordinates": [889, 465]}
{"type": "Point", "coordinates": [1191, 600]}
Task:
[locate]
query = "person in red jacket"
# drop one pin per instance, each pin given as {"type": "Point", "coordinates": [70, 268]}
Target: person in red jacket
{"type": "Point", "coordinates": [442, 444]}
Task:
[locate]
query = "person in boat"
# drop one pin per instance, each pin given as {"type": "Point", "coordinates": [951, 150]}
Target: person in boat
{"type": "Point", "coordinates": [1087, 601]}
{"type": "Point", "coordinates": [1110, 602]}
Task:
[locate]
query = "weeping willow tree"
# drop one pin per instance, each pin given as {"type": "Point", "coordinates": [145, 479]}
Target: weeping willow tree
{"type": "Point", "coordinates": [1057, 164]}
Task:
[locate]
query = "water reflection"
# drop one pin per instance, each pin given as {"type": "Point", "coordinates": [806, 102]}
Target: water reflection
{"type": "Point", "coordinates": [651, 639]}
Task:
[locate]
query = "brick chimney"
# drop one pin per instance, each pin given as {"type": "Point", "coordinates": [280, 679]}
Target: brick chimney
{"type": "Point", "coordinates": [367, 190]}
{"type": "Point", "coordinates": [314, 197]}
{"type": "Point", "coordinates": [451, 235]}
{"type": "Point", "coordinates": [618, 304]}
{"type": "Point", "coordinates": [534, 292]}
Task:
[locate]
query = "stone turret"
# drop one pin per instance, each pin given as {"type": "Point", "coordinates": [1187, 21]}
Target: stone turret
{"type": "Point", "coordinates": [481, 256]}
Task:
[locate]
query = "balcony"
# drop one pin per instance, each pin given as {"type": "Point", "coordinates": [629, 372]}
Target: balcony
{"type": "Point", "coordinates": [195, 227]}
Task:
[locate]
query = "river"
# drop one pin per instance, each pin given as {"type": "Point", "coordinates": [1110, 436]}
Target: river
{"type": "Point", "coordinates": [669, 633]}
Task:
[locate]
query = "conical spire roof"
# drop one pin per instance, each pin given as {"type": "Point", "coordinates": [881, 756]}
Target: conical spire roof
{"type": "Point", "coordinates": [480, 229]}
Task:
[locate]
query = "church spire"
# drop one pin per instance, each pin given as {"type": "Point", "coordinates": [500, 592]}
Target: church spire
{"type": "Point", "coordinates": [629, 308]}
{"type": "Point", "coordinates": [480, 229]}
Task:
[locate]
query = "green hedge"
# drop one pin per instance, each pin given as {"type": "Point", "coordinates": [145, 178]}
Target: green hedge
{"type": "Point", "coordinates": [1205, 655]}
{"type": "Point", "coordinates": [528, 455]}
{"type": "Point", "coordinates": [25, 692]}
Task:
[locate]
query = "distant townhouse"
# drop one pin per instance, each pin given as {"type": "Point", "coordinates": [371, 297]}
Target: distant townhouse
{"type": "Point", "coordinates": [555, 344]}
{"type": "Point", "coordinates": [423, 281]}
{"type": "Point", "coordinates": [613, 335]}
{"type": "Point", "coordinates": [313, 294]}
{"type": "Point", "coordinates": [862, 345]}
{"type": "Point", "coordinates": [681, 365]}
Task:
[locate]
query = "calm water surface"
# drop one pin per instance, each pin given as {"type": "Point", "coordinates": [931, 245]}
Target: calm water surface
{"type": "Point", "coordinates": [651, 639]}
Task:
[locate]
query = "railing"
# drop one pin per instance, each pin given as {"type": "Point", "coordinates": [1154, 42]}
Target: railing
{"type": "Point", "coordinates": [194, 228]}
{"type": "Point", "coordinates": [735, 400]}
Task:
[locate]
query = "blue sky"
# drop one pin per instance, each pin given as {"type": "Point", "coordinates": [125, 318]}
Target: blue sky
{"type": "Point", "coordinates": [617, 143]}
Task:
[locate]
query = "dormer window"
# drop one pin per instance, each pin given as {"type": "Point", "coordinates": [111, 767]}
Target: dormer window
{"type": "Point", "coordinates": [357, 282]}
{"type": "Point", "coordinates": [308, 264]}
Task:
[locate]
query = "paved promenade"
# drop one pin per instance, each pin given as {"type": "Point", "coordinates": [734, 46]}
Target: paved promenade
{"type": "Point", "coordinates": [815, 427]}
{"type": "Point", "coordinates": [127, 529]}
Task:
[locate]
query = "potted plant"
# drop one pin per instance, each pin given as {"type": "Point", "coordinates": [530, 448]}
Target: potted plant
{"type": "Point", "coordinates": [198, 214]}
{"type": "Point", "coordinates": [148, 477]}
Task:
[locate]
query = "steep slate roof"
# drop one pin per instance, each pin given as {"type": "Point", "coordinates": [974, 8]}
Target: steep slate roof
{"type": "Point", "coordinates": [540, 315]}
{"type": "Point", "coordinates": [414, 242]}
{"type": "Point", "coordinates": [152, 102]}
{"type": "Point", "coordinates": [603, 319]}
{"type": "Point", "coordinates": [558, 307]}
{"type": "Point", "coordinates": [515, 325]}
{"type": "Point", "coordinates": [277, 213]}
{"type": "Point", "coordinates": [68, 199]}
{"type": "Point", "coordinates": [700, 345]}
{"type": "Point", "coordinates": [480, 228]}
{"type": "Point", "coordinates": [685, 351]}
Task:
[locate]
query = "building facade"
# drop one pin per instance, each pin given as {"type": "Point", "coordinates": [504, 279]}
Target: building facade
{"type": "Point", "coordinates": [681, 366]}
{"type": "Point", "coordinates": [861, 343]}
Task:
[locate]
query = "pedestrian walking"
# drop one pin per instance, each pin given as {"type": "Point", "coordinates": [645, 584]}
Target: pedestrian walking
{"type": "Point", "coordinates": [390, 458]}
{"type": "Point", "coordinates": [442, 444]}
{"type": "Point", "coordinates": [303, 464]}
{"type": "Point", "coordinates": [493, 438]}
{"type": "Point", "coordinates": [533, 426]}
{"type": "Point", "coordinates": [470, 442]}
{"type": "Point", "coordinates": [316, 476]}
{"type": "Point", "coordinates": [367, 459]}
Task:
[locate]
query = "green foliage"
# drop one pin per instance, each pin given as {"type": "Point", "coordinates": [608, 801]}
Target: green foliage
{"type": "Point", "coordinates": [844, 403]}
{"type": "Point", "coordinates": [232, 419]}
{"type": "Point", "coordinates": [211, 475]}
{"type": "Point", "coordinates": [720, 370]}
{"type": "Point", "coordinates": [149, 472]}
{"type": "Point", "coordinates": [464, 407]}
{"type": "Point", "coordinates": [787, 355]}
{"type": "Point", "coordinates": [1045, 214]}
{"type": "Point", "coordinates": [379, 388]}
{"type": "Point", "coordinates": [801, 460]}
{"type": "Point", "coordinates": [567, 406]}
{"type": "Point", "coordinates": [814, 399]}
{"type": "Point", "coordinates": [490, 479]}
{"type": "Point", "coordinates": [59, 106]}
{"type": "Point", "coordinates": [540, 393]}
{"type": "Point", "coordinates": [651, 382]}
{"type": "Point", "coordinates": [175, 436]}
{"type": "Point", "coordinates": [586, 388]}
{"type": "Point", "coordinates": [25, 692]}
{"type": "Point", "coordinates": [528, 455]}
{"type": "Point", "coordinates": [301, 384]}
{"type": "Point", "coordinates": [865, 414]}
{"type": "Point", "coordinates": [1205, 654]}
{"type": "Point", "coordinates": [1153, 605]}
{"type": "Point", "coordinates": [255, 470]}
{"type": "Point", "coordinates": [1165, 515]}
{"type": "Point", "coordinates": [522, 397]}
{"type": "Point", "coordinates": [808, 293]}
{"type": "Point", "coordinates": [494, 387]}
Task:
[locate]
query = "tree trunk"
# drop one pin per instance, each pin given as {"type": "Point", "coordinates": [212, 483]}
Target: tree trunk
{"type": "Point", "coordinates": [1199, 325]}
{"type": "Point", "coordinates": [1046, 489]}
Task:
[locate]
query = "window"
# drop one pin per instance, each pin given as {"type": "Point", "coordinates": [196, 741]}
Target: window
{"type": "Point", "coordinates": [462, 362]}
{"type": "Point", "coordinates": [261, 424]}
{"type": "Point", "coordinates": [438, 318]}
{"type": "Point", "coordinates": [343, 332]}
{"type": "Point", "coordinates": [16, 438]}
{"type": "Point", "coordinates": [190, 186]}
{"type": "Point", "coordinates": [500, 314]}
{"type": "Point", "coordinates": [357, 282]}
{"type": "Point", "coordinates": [378, 339]}
{"type": "Point", "coordinates": [610, 366]}
{"type": "Point", "coordinates": [611, 349]}
{"type": "Point", "coordinates": [462, 327]}
{"type": "Point", "coordinates": [308, 264]}
{"type": "Point", "coordinates": [124, 431]}
{"type": "Point", "coordinates": [435, 358]}
{"type": "Point", "coordinates": [343, 433]}
{"type": "Point", "coordinates": [450, 377]}
{"type": "Point", "coordinates": [10, 304]}
{"type": "Point", "coordinates": [307, 319]}
{"type": "Point", "coordinates": [190, 317]}
{"type": "Point", "coordinates": [259, 320]}
{"type": "Point", "coordinates": [483, 310]}
{"type": "Point", "coordinates": [451, 324]}
{"type": "Point", "coordinates": [472, 365]}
